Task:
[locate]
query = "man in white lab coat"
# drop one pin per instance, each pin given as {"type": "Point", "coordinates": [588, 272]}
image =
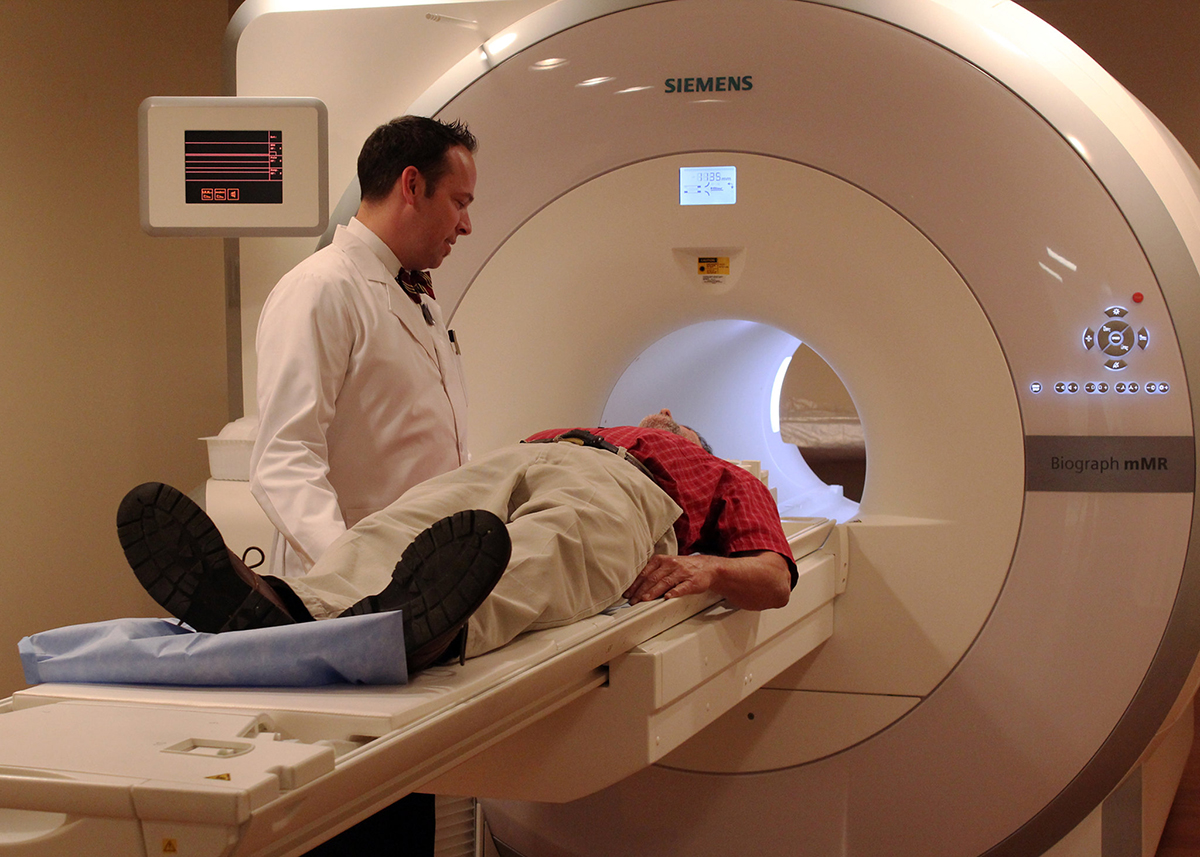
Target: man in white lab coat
{"type": "Point", "coordinates": [360, 393]}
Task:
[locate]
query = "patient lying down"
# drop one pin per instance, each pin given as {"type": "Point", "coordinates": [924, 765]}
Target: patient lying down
{"type": "Point", "coordinates": [531, 536]}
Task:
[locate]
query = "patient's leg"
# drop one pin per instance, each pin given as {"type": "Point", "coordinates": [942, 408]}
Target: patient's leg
{"type": "Point", "coordinates": [360, 563]}
{"type": "Point", "coordinates": [440, 580]}
{"type": "Point", "coordinates": [583, 523]}
{"type": "Point", "coordinates": [181, 560]}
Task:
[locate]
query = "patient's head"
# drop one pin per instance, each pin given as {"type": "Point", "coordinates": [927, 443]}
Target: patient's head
{"type": "Point", "coordinates": [663, 420]}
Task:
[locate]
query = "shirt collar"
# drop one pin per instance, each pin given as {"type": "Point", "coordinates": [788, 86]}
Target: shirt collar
{"type": "Point", "coordinates": [360, 231]}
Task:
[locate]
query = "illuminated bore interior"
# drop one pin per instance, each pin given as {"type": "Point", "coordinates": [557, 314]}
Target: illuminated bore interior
{"type": "Point", "coordinates": [756, 393]}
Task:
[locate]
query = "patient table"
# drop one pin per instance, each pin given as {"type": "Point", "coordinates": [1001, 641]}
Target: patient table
{"type": "Point", "coordinates": [150, 770]}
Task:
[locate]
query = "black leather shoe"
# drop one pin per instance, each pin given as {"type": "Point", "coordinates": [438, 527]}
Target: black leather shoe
{"type": "Point", "coordinates": [180, 558]}
{"type": "Point", "coordinates": [440, 580]}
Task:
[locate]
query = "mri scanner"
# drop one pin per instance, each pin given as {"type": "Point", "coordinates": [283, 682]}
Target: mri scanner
{"type": "Point", "coordinates": [994, 247]}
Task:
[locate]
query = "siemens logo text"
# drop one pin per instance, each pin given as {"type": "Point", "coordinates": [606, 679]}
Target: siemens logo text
{"type": "Point", "coordinates": [709, 84]}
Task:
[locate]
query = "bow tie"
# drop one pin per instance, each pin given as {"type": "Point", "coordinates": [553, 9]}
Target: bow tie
{"type": "Point", "coordinates": [415, 284]}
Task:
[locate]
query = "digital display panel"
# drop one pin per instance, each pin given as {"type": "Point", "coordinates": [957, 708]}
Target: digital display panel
{"type": "Point", "coordinates": [224, 167]}
{"type": "Point", "coordinates": [707, 185]}
{"type": "Point", "coordinates": [214, 165]}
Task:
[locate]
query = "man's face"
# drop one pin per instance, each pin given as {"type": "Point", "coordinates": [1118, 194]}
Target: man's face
{"type": "Point", "coordinates": [663, 420]}
{"type": "Point", "coordinates": [442, 217]}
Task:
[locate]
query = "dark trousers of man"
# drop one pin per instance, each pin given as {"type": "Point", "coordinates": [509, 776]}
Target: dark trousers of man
{"type": "Point", "coordinates": [404, 829]}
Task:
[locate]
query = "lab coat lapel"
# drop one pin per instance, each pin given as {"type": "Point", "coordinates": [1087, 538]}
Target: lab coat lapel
{"type": "Point", "coordinates": [409, 314]}
{"type": "Point", "coordinates": [399, 304]}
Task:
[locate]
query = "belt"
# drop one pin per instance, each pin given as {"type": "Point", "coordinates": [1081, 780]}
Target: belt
{"type": "Point", "coordinates": [582, 437]}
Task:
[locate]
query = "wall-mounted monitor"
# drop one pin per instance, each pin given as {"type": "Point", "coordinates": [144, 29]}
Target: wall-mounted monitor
{"type": "Point", "coordinates": [233, 166]}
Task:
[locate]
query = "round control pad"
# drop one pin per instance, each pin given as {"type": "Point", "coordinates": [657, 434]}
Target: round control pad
{"type": "Point", "coordinates": [1115, 338]}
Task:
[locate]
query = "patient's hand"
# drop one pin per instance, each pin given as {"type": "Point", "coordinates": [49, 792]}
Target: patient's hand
{"type": "Point", "coordinates": [754, 581]}
{"type": "Point", "coordinates": [672, 576]}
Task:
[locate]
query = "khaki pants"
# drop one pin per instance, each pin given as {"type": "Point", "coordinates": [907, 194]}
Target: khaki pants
{"type": "Point", "coordinates": [583, 523]}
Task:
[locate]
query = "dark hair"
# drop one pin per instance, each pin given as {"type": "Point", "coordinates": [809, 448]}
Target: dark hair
{"type": "Point", "coordinates": [409, 141]}
{"type": "Point", "coordinates": [704, 444]}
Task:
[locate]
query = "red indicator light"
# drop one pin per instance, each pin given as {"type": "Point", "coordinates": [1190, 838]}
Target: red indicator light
{"type": "Point", "coordinates": [1138, 297]}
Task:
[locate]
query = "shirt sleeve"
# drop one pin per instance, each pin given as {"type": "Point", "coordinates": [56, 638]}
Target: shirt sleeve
{"type": "Point", "coordinates": [304, 342]}
{"type": "Point", "coordinates": [745, 518]}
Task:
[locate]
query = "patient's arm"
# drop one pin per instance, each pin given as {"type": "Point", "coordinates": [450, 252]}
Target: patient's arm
{"type": "Point", "coordinates": [755, 580]}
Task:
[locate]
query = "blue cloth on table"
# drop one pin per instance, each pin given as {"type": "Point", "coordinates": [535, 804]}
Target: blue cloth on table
{"type": "Point", "coordinates": [366, 649]}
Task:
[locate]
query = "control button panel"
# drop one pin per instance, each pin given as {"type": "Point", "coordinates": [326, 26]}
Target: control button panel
{"type": "Point", "coordinates": [1115, 339]}
{"type": "Point", "coordinates": [1117, 364]}
{"type": "Point", "coordinates": [1102, 387]}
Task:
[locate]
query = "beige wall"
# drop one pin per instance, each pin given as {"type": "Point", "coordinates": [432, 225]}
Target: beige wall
{"type": "Point", "coordinates": [1148, 45]}
{"type": "Point", "coordinates": [112, 357]}
{"type": "Point", "coordinates": [112, 352]}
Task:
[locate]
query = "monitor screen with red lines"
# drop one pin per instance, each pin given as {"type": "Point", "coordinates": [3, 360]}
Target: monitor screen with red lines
{"type": "Point", "coordinates": [232, 167]}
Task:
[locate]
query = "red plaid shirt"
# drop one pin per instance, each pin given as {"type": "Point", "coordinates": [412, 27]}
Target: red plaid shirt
{"type": "Point", "coordinates": [725, 509]}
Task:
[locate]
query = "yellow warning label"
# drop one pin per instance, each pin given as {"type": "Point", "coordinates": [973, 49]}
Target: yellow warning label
{"type": "Point", "coordinates": [713, 265]}
{"type": "Point", "coordinates": [219, 777]}
{"type": "Point", "coordinates": [170, 846]}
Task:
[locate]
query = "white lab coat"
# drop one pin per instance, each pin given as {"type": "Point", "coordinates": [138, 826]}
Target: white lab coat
{"type": "Point", "coordinates": [359, 398]}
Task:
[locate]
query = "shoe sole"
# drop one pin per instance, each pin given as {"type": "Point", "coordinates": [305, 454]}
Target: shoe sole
{"type": "Point", "coordinates": [181, 560]}
{"type": "Point", "coordinates": [441, 579]}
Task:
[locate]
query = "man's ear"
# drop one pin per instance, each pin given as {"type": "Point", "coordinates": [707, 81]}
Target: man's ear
{"type": "Point", "coordinates": [411, 184]}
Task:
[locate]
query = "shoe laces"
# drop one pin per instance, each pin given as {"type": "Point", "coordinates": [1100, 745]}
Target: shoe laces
{"type": "Point", "coordinates": [262, 557]}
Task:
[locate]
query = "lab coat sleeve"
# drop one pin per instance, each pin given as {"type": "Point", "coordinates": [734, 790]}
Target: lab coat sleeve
{"type": "Point", "coordinates": [305, 339]}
